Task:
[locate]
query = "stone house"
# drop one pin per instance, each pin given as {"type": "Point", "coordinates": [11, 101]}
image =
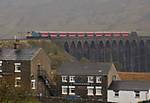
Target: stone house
{"type": "Point", "coordinates": [86, 80]}
{"type": "Point", "coordinates": [25, 67]}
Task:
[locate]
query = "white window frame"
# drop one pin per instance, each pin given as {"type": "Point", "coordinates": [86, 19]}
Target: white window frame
{"type": "Point", "coordinates": [64, 78]}
{"type": "Point", "coordinates": [89, 79]}
{"type": "Point", "coordinates": [1, 66]}
{"type": "Point", "coordinates": [33, 83]}
{"type": "Point", "coordinates": [71, 79]}
{"type": "Point", "coordinates": [137, 93]}
{"type": "Point", "coordinates": [16, 80]}
{"type": "Point", "coordinates": [90, 90]}
{"type": "Point", "coordinates": [16, 67]}
{"type": "Point", "coordinates": [116, 93]}
{"type": "Point", "coordinates": [70, 90]}
{"type": "Point", "coordinates": [98, 90]}
{"type": "Point", "coordinates": [99, 79]}
{"type": "Point", "coordinates": [114, 77]}
{"type": "Point", "coordinates": [64, 88]}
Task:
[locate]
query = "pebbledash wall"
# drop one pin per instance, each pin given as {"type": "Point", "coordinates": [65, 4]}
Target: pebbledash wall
{"type": "Point", "coordinates": [128, 91]}
{"type": "Point", "coordinates": [128, 96]}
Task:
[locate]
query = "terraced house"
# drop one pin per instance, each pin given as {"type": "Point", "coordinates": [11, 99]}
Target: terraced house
{"type": "Point", "coordinates": [24, 67]}
{"type": "Point", "coordinates": [86, 80]}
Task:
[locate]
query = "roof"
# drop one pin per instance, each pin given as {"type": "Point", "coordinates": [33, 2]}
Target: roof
{"type": "Point", "coordinates": [130, 85]}
{"type": "Point", "coordinates": [134, 75]}
{"type": "Point", "coordinates": [78, 68]}
{"type": "Point", "coordinates": [18, 54]}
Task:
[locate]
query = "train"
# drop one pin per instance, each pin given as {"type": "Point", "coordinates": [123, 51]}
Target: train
{"type": "Point", "coordinates": [54, 34]}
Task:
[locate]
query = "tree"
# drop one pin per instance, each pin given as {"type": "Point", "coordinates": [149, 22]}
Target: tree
{"type": "Point", "coordinates": [10, 94]}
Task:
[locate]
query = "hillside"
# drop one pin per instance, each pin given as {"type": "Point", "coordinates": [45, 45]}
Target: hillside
{"type": "Point", "coordinates": [74, 15]}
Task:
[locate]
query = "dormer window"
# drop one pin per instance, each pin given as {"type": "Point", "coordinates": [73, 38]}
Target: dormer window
{"type": "Point", "coordinates": [71, 78]}
{"type": "Point", "coordinates": [64, 78]}
{"type": "Point", "coordinates": [1, 66]}
{"type": "Point", "coordinates": [17, 67]}
{"type": "Point", "coordinates": [90, 79]}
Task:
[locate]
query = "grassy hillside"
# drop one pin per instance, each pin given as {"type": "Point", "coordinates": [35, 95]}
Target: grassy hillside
{"type": "Point", "coordinates": [74, 15]}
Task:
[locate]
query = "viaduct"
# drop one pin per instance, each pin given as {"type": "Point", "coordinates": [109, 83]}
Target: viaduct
{"type": "Point", "coordinates": [129, 53]}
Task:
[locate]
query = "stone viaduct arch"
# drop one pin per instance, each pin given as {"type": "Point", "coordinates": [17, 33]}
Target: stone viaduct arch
{"type": "Point", "coordinates": [131, 54]}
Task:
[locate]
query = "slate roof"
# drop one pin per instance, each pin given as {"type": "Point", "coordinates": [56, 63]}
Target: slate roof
{"type": "Point", "coordinates": [18, 54]}
{"type": "Point", "coordinates": [77, 68]}
{"type": "Point", "coordinates": [130, 85]}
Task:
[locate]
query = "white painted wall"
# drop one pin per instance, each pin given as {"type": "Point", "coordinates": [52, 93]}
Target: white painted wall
{"type": "Point", "coordinates": [127, 96]}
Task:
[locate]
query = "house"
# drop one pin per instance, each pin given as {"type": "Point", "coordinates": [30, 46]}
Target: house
{"type": "Point", "coordinates": [129, 91]}
{"type": "Point", "coordinates": [134, 76]}
{"type": "Point", "coordinates": [86, 80]}
{"type": "Point", "coordinates": [25, 66]}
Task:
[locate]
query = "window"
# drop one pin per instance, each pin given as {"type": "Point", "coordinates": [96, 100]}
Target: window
{"type": "Point", "coordinates": [0, 66]}
{"type": "Point", "coordinates": [18, 82]}
{"type": "Point", "coordinates": [99, 79]}
{"type": "Point", "coordinates": [116, 92]}
{"type": "Point", "coordinates": [90, 90]}
{"type": "Point", "coordinates": [64, 78]}
{"type": "Point", "coordinates": [98, 90]}
{"type": "Point", "coordinates": [137, 94]}
{"type": "Point", "coordinates": [71, 90]}
{"type": "Point", "coordinates": [114, 77]}
{"type": "Point", "coordinates": [33, 84]}
{"type": "Point", "coordinates": [17, 67]}
{"type": "Point", "coordinates": [64, 89]}
{"type": "Point", "coordinates": [71, 78]}
{"type": "Point", "coordinates": [90, 79]}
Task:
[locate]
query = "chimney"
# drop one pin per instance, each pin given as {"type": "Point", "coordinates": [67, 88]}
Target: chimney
{"type": "Point", "coordinates": [16, 43]}
{"type": "Point", "coordinates": [15, 46]}
{"type": "Point", "coordinates": [99, 71]}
